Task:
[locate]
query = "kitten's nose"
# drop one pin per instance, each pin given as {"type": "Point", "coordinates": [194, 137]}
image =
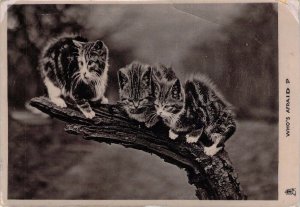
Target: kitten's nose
{"type": "Point", "coordinates": [84, 75]}
{"type": "Point", "coordinates": [135, 104]}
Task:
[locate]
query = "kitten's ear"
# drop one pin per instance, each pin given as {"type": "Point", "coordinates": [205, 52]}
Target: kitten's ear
{"type": "Point", "coordinates": [98, 45]}
{"type": "Point", "coordinates": [169, 68]}
{"type": "Point", "coordinates": [155, 85]}
{"type": "Point", "coordinates": [123, 80]}
{"type": "Point", "coordinates": [191, 94]}
{"type": "Point", "coordinates": [169, 74]}
{"type": "Point", "coordinates": [146, 78]}
{"type": "Point", "coordinates": [176, 90]}
{"type": "Point", "coordinates": [78, 43]}
{"type": "Point", "coordinates": [212, 96]}
{"type": "Point", "coordinates": [156, 73]}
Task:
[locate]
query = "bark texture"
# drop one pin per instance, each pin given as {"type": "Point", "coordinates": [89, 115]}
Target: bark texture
{"type": "Point", "coordinates": [214, 177]}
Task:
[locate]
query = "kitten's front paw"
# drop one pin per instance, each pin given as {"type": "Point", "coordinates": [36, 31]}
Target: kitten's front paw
{"type": "Point", "coordinates": [59, 102]}
{"type": "Point", "coordinates": [148, 124]}
{"type": "Point", "coordinates": [191, 139]}
{"type": "Point", "coordinates": [212, 150]}
{"type": "Point", "coordinates": [104, 100]}
{"type": "Point", "coordinates": [172, 135]}
{"type": "Point", "coordinates": [89, 115]}
{"type": "Point", "coordinates": [151, 122]}
{"type": "Point", "coordinates": [215, 137]}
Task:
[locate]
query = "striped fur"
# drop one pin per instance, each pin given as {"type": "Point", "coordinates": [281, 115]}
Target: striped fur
{"type": "Point", "coordinates": [136, 94]}
{"type": "Point", "coordinates": [194, 109]}
{"type": "Point", "coordinates": [74, 68]}
{"type": "Point", "coordinates": [169, 95]}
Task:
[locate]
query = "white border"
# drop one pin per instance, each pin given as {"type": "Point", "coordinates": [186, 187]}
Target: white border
{"type": "Point", "coordinates": [288, 147]}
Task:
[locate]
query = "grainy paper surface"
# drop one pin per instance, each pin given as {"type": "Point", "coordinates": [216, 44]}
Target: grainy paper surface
{"type": "Point", "coordinates": [234, 43]}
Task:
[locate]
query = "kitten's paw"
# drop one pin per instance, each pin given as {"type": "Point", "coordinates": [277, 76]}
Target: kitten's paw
{"type": "Point", "coordinates": [59, 102]}
{"type": "Point", "coordinates": [104, 100]}
{"type": "Point", "coordinates": [148, 124]}
{"type": "Point", "coordinates": [215, 137]}
{"type": "Point", "coordinates": [191, 139]}
{"type": "Point", "coordinates": [89, 115]}
{"type": "Point", "coordinates": [212, 150]}
{"type": "Point", "coordinates": [172, 135]}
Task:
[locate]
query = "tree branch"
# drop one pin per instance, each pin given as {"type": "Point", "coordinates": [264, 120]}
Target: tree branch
{"type": "Point", "coordinates": [213, 177]}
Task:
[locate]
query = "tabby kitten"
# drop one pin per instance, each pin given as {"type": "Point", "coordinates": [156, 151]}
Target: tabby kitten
{"type": "Point", "coordinates": [195, 109]}
{"type": "Point", "coordinates": [136, 93]}
{"type": "Point", "coordinates": [73, 68]}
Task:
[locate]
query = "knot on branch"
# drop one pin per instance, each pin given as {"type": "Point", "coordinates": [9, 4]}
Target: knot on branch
{"type": "Point", "coordinates": [214, 177]}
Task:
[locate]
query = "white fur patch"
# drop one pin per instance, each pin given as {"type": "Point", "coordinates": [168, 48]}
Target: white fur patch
{"type": "Point", "coordinates": [172, 135]}
{"type": "Point", "coordinates": [191, 139]}
{"type": "Point", "coordinates": [54, 93]}
{"type": "Point", "coordinates": [104, 100]}
{"type": "Point", "coordinates": [88, 115]}
{"type": "Point", "coordinates": [100, 87]}
{"type": "Point", "coordinates": [59, 102]}
{"type": "Point", "coordinates": [216, 137]}
{"type": "Point", "coordinates": [164, 114]}
{"type": "Point", "coordinates": [101, 84]}
{"type": "Point", "coordinates": [212, 150]}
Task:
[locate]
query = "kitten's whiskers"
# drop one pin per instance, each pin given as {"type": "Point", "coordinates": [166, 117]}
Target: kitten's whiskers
{"type": "Point", "coordinates": [152, 117]}
{"type": "Point", "coordinates": [77, 78]}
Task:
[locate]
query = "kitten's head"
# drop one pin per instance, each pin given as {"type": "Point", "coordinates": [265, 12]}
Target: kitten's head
{"type": "Point", "coordinates": [92, 60]}
{"type": "Point", "coordinates": [169, 95]}
{"type": "Point", "coordinates": [135, 88]}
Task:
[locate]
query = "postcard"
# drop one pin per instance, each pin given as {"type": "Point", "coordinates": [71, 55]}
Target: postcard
{"type": "Point", "coordinates": [150, 103]}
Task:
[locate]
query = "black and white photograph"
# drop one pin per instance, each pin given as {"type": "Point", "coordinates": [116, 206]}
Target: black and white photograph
{"type": "Point", "coordinates": [143, 101]}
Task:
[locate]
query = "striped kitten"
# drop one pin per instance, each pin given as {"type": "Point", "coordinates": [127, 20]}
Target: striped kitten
{"type": "Point", "coordinates": [195, 109]}
{"type": "Point", "coordinates": [73, 68]}
{"type": "Point", "coordinates": [136, 93]}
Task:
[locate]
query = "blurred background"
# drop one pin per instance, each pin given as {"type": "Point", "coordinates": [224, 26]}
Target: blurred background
{"type": "Point", "coordinates": [233, 44]}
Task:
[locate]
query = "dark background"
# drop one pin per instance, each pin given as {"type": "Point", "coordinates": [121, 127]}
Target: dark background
{"type": "Point", "coordinates": [236, 45]}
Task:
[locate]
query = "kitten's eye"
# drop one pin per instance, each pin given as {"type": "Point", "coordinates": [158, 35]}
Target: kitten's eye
{"type": "Point", "coordinates": [143, 101]}
{"type": "Point", "coordinates": [130, 101]}
{"type": "Point", "coordinates": [80, 63]}
{"type": "Point", "coordinates": [168, 107]}
{"type": "Point", "coordinates": [94, 57]}
{"type": "Point", "coordinates": [124, 100]}
{"type": "Point", "coordinates": [102, 64]}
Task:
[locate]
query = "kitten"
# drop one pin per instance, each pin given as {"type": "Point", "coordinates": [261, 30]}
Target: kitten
{"type": "Point", "coordinates": [195, 109]}
{"type": "Point", "coordinates": [73, 68]}
{"type": "Point", "coordinates": [136, 93]}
